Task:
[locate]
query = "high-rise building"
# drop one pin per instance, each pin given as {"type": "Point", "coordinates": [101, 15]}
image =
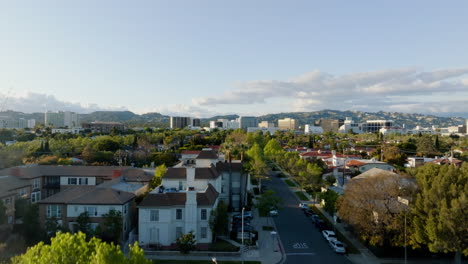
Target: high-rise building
{"type": "Point", "coordinates": [247, 121]}
{"type": "Point", "coordinates": [61, 119]}
{"type": "Point", "coordinates": [10, 123]}
{"type": "Point", "coordinates": [372, 126]}
{"type": "Point", "coordinates": [196, 122]}
{"type": "Point", "coordinates": [180, 122]}
{"type": "Point", "coordinates": [287, 124]}
{"type": "Point", "coordinates": [330, 125]}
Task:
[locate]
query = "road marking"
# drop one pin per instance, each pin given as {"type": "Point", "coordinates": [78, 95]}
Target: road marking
{"type": "Point", "coordinates": [300, 254]}
{"type": "Point", "coordinates": [300, 246]}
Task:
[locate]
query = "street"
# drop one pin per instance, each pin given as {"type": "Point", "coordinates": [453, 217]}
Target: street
{"type": "Point", "coordinates": [302, 242]}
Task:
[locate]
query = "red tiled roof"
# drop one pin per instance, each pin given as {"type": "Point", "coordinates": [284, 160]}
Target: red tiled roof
{"type": "Point", "coordinates": [355, 163]}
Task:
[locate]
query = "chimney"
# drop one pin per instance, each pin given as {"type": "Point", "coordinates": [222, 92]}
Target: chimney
{"type": "Point", "coordinates": [191, 210]}
{"type": "Point", "coordinates": [116, 173]}
{"type": "Point", "coordinates": [190, 176]}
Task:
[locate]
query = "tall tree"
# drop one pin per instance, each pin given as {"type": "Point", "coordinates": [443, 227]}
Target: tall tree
{"type": "Point", "coordinates": [272, 149]}
{"type": "Point", "coordinates": [219, 220]}
{"type": "Point", "coordinates": [158, 174]}
{"type": "Point", "coordinates": [268, 201]}
{"type": "Point", "coordinates": [69, 248]}
{"type": "Point", "coordinates": [441, 209]}
{"type": "Point", "coordinates": [113, 225]}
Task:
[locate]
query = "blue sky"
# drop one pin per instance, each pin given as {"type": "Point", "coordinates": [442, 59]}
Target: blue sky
{"type": "Point", "coordinates": [248, 57]}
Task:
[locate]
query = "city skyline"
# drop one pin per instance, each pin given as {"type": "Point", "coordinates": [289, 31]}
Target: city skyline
{"type": "Point", "coordinates": [214, 58]}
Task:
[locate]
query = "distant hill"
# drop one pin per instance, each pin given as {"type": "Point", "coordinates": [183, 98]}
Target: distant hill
{"type": "Point", "coordinates": [159, 120]}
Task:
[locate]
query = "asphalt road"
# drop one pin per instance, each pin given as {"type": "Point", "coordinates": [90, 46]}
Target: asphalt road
{"type": "Point", "coordinates": [302, 242]}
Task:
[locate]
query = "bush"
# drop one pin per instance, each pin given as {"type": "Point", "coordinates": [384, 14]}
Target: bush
{"type": "Point", "coordinates": [290, 183]}
{"type": "Point", "coordinates": [301, 196]}
{"type": "Point", "coordinates": [256, 191]}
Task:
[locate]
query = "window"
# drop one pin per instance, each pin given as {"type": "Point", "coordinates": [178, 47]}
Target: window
{"type": "Point", "coordinates": [179, 214]}
{"type": "Point", "coordinates": [8, 201]}
{"type": "Point", "coordinates": [54, 211]}
{"type": "Point", "coordinates": [178, 231]}
{"type": "Point", "coordinates": [222, 188]}
{"type": "Point", "coordinates": [92, 211]}
{"type": "Point", "coordinates": [10, 219]}
{"type": "Point", "coordinates": [36, 183]}
{"type": "Point", "coordinates": [83, 181]}
{"type": "Point", "coordinates": [125, 208]}
{"type": "Point", "coordinates": [203, 214]}
{"type": "Point", "coordinates": [181, 186]}
{"type": "Point", "coordinates": [35, 197]}
{"type": "Point", "coordinates": [72, 181]}
{"type": "Point", "coordinates": [203, 233]}
{"type": "Point", "coordinates": [22, 191]}
{"type": "Point", "coordinates": [154, 215]}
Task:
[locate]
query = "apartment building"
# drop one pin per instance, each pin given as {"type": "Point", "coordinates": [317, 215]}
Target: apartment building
{"type": "Point", "coordinates": [187, 195]}
{"type": "Point", "coordinates": [61, 119]}
{"type": "Point", "coordinates": [11, 189]}
{"type": "Point", "coordinates": [104, 127]}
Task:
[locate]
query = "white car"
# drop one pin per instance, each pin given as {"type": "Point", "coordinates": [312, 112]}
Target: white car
{"type": "Point", "coordinates": [329, 235]}
{"type": "Point", "coordinates": [274, 213]}
{"type": "Point", "coordinates": [337, 246]}
{"type": "Point", "coordinates": [303, 205]}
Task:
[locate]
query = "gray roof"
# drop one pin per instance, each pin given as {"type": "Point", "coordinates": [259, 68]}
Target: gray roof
{"type": "Point", "coordinates": [89, 195]}
{"type": "Point", "coordinates": [9, 183]}
{"type": "Point", "coordinates": [206, 198]}
{"type": "Point", "coordinates": [374, 172]}
{"type": "Point", "coordinates": [207, 154]}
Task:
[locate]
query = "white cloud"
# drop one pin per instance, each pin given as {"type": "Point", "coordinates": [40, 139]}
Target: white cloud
{"type": "Point", "coordinates": [30, 102]}
{"type": "Point", "coordinates": [369, 91]}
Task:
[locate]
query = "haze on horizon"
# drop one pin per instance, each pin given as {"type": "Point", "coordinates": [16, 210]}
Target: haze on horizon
{"type": "Point", "coordinates": [207, 58]}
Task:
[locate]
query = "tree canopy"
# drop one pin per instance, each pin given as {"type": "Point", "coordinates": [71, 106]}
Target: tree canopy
{"type": "Point", "coordinates": [69, 248]}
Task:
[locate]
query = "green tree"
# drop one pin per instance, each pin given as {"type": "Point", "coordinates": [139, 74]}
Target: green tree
{"type": "Point", "coordinates": [268, 201]}
{"type": "Point", "coordinates": [425, 146]}
{"type": "Point", "coordinates": [272, 149]}
{"type": "Point", "coordinates": [219, 220]}
{"type": "Point", "coordinates": [84, 224]}
{"type": "Point", "coordinates": [186, 243]}
{"type": "Point", "coordinates": [158, 174]}
{"type": "Point", "coordinates": [107, 144]}
{"type": "Point", "coordinates": [31, 228]}
{"type": "Point", "coordinates": [440, 210]}
{"type": "Point", "coordinates": [69, 248]}
{"type": "Point", "coordinates": [113, 226]}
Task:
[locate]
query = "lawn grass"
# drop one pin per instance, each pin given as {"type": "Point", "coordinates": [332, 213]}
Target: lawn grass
{"type": "Point", "coordinates": [163, 261]}
{"type": "Point", "coordinates": [301, 196]}
{"type": "Point", "coordinates": [349, 247]}
{"type": "Point", "coordinates": [224, 246]}
{"type": "Point", "coordinates": [290, 183]}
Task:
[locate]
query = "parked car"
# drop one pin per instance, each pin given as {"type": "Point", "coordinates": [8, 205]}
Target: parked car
{"type": "Point", "coordinates": [337, 246]}
{"type": "Point", "coordinates": [329, 235]}
{"type": "Point", "coordinates": [247, 215]}
{"type": "Point", "coordinates": [308, 212]}
{"type": "Point", "coordinates": [239, 229]}
{"type": "Point", "coordinates": [315, 218]}
{"type": "Point", "coordinates": [274, 213]}
{"type": "Point", "coordinates": [320, 225]}
{"type": "Point", "coordinates": [303, 206]}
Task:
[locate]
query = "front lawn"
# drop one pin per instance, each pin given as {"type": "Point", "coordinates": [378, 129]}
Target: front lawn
{"type": "Point", "coordinates": [290, 183]}
{"type": "Point", "coordinates": [301, 196]}
{"type": "Point", "coordinates": [223, 245]}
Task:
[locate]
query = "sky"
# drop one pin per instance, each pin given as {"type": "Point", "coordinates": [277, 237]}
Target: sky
{"type": "Point", "coordinates": [204, 58]}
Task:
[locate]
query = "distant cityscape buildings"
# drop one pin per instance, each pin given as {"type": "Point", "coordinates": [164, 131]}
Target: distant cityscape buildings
{"type": "Point", "coordinates": [61, 119]}
{"type": "Point", "coordinates": [20, 123]}
{"type": "Point", "coordinates": [287, 124]}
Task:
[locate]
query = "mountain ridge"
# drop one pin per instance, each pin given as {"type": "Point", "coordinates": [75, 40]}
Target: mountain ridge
{"type": "Point", "coordinates": [159, 120]}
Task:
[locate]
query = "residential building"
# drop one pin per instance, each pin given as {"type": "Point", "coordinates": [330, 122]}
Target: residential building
{"type": "Point", "coordinates": [61, 119]}
{"type": "Point", "coordinates": [423, 130]}
{"type": "Point", "coordinates": [388, 130]}
{"type": "Point", "coordinates": [312, 129]}
{"type": "Point", "coordinates": [75, 130]}
{"type": "Point", "coordinates": [187, 195]}
{"type": "Point", "coordinates": [20, 123]}
{"type": "Point", "coordinates": [103, 127]}
{"type": "Point", "coordinates": [216, 124]}
{"type": "Point", "coordinates": [247, 121]}
{"type": "Point", "coordinates": [363, 165]}
{"type": "Point", "coordinates": [12, 189]}
{"type": "Point", "coordinates": [47, 180]}
{"type": "Point", "coordinates": [372, 126]}
{"type": "Point", "coordinates": [67, 205]}
{"type": "Point", "coordinates": [287, 124]}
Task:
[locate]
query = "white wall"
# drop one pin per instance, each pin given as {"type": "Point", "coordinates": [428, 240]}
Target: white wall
{"type": "Point", "coordinates": [64, 180]}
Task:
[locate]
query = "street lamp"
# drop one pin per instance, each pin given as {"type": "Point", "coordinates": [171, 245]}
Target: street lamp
{"type": "Point", "coordinates": [406, 202]}
{"type": "Point", "coordinates": [242, 251]}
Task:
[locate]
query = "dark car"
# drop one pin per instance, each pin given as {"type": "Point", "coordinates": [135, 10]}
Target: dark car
{"type": "Point", "coordinates": [320, 224]}
{"type": "Point", "coordinates": [308, 212]}
{"type": "Point", "coordinates": [314, 218]}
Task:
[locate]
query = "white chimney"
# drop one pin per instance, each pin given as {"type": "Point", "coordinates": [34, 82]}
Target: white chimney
{"type": "Point", "coordinates": [191, 210]}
